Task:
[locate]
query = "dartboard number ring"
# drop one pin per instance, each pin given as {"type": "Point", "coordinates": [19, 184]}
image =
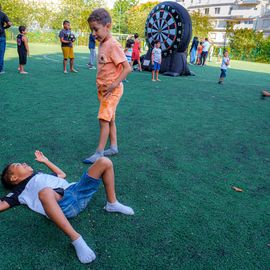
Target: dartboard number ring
{"type": "Point", "coordinates": [164, 24]}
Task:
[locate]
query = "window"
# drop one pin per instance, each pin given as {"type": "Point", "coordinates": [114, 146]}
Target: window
{"type": "Point", "coordinates": [217, 10]}
{"type": "Point", "coordinates": [206, 11]}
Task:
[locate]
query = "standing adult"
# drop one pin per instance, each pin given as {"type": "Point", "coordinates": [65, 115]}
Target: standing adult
{"type": "Point", "coordinates": [4, 24]}
{"type": "Point", "coordinates": [193, 50]}
{"type": "Point", "coordinates": [206, 45]}
{"type": "Point", "coordinates": [92, 48]}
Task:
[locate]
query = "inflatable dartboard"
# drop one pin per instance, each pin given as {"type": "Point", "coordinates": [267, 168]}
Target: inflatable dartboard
{"type": "Point", "coordinates": [169, 23]}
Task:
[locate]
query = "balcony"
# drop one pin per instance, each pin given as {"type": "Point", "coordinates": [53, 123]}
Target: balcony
{"type": "Point", "coordinates": [242, 13]}
{"type": "Point", "coordinates": [248, 2]}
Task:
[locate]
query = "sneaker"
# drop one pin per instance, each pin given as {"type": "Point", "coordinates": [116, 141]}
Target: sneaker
{"type": "Point", "coordinates": [93, 158]}
{"type": "Point", "coordinates": [23, 72]}
{"type": "Point", "coordinates": [2, 72]}
{"type": "Point", "coordinates": [126, 81]}
{"type": "Point", "coordinates": [92, 67]}
{"type": "Point", "coordinates": [65, 71]}
{"type": "Point", "coordinates": [153, 80]}
{"type": "Point", "coordinates": [158, 80]}
{"type": "Point", "coordinates": [74, 71]}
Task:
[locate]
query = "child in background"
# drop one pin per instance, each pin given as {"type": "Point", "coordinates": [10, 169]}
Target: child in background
{"type": "Point", "coordinates": [128, 52]}
{"type": "Point", "coordinates": [136, 51]}
{"type": "Point", "coordinates": [156, 60]}
{"type": "Point", "coordinates": [23, 49]}
{"type": "Point", "coordinates": [67, 46]}
{"type": "Point", "coordinates": [55, 198]}
{"type": "Point", "coordinates": [224, 66]}
{"type": "Point", "coordinates": [92, 48]}
{"type": "Point", "coordinates": [199, 54]}
{"type": "Point", "coordinates": [113, 68]}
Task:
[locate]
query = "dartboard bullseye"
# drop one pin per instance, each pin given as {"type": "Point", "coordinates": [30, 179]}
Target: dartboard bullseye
{"type": "Point", "coordinates": [166, 23]}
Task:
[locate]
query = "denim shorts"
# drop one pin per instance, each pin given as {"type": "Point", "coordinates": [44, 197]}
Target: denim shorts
{"type": "Point", "coordinates": [156, 66]}
{"type": "Point", "coordinates": [223, 73]}
{"type": "Point", "coordinates": [77, 196]}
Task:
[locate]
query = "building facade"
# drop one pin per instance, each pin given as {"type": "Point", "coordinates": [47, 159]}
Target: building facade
{"type": "Point", "coordinates": [250, 14]}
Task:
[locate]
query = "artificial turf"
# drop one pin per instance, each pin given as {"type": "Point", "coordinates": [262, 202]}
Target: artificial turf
{"type": "Point", "coordinates": [183, 143]}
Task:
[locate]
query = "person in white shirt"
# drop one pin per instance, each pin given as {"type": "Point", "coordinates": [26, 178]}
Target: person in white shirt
{"type": "Point", "coordinates": [224, 66]}
{"type": "Point", "coordinates": [54, 197]}
{"type": "Point", "coordinates": [206, 45]}
{"type": "Point", "coordinates": [156, 61]}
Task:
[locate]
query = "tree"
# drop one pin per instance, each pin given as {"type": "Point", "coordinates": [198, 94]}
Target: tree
{"type": "Point", "coordinates": [136, 17]}
{"type": "Point", "coordinates": [120, 14]}
{"type": "Point", "coordinates": [246, 43]}
{"type": "Point", "coordinates": [201, 24]}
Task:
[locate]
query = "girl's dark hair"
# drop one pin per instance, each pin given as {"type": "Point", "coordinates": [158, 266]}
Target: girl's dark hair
{"type": "Point", "coordinates": [22, 28]}
{"type": "Point", "coordinates": [5, 177]}
{"type": "Point", "coordinates": [136, 35]}
{"type": "Point", "coordinates": [129, 43]}
{"type": "Point", "coordinates": [101, 16]}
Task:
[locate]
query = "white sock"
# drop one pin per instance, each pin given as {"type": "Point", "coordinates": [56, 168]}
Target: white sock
{"type": "Point", "coordinates": [84, 253]}
{"type": "Point", "coordinates": [118, 207]}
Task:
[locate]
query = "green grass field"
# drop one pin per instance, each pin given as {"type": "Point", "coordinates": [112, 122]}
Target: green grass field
{"type": "Point", "coordinates": [183, 143]}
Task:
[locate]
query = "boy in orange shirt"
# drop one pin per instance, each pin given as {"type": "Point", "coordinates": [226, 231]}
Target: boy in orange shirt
{"type": "Point", "coordinates": [113, 68]}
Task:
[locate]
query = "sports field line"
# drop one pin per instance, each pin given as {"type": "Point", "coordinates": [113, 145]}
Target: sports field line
{"type": "Point", "coordinates": [167, 77]}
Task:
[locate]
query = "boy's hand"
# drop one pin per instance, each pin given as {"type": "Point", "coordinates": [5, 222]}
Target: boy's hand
{"type": "Point", "coordinates": [40, 157]}
{"type": "Point", "coordinates": [108, 90]}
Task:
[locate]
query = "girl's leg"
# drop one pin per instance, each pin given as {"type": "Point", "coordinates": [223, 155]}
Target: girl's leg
{"type": "Point", "coordinates": [140, 65]}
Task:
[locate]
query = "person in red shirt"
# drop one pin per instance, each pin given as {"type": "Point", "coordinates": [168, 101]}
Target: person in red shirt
{"type": "Point", "coordinates": [136, 51]}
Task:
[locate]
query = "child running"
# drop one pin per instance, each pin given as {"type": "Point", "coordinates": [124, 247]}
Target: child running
{"type": "Point", "coordinates": [23, 49]}
{"type": "Point", "coordinates": [55, 198]}
{"type": "Point", "coordinates": [156, 60]}
{"type": "Point", "coordinates": [67, 39]}
{"type": "Point", "coordinates": [128, 52]}
{"type": "Point", "coordinates": [113, 68]}
{"type": "Point", "coordinates": [224, 66]}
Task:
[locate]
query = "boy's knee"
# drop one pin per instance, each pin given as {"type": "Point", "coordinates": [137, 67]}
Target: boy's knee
{"type": "Point", "coordinates": [105, 162]}
{"type": "Point", "coordinates": [45, 193]}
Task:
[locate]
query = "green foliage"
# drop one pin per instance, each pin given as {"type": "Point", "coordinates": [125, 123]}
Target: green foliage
{"type": "Point", "coordinates": [120, 14]}
{"type": "Point", "coordinates": [247, 44]}
{"type": "Point", "coordinates": [137, 16]}
{"type": "Point", "coordinates": [201, 24]}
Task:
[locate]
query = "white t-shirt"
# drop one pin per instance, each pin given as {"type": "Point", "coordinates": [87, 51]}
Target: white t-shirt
{"type": "Point", "coordinates": [206, 46]}
{"type": "Point", "coordinates": [27, 191]}
{"type": "Point", "coordinates": [156, 55]}
{"type": "Point", "coordinates": [224, 61]}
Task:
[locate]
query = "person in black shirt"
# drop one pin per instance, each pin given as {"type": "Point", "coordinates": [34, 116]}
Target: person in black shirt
{"type": "Point", "coordinates": [23, 49]}
{"type": "Point", "coordinates": [4, 24]}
